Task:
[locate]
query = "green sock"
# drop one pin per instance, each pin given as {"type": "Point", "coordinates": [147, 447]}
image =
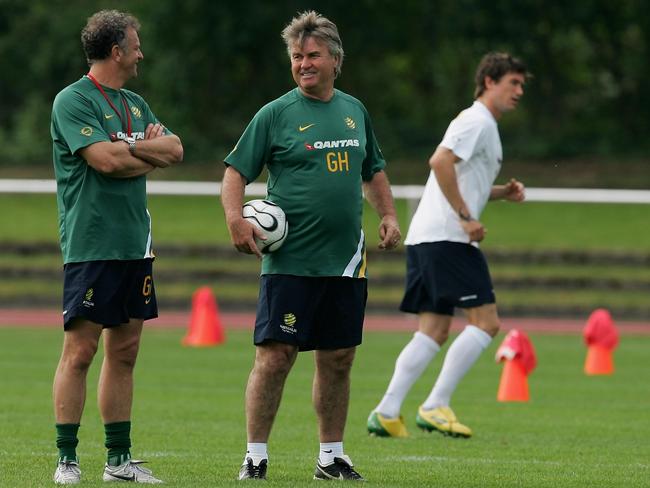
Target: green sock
{"type": "Point", "coordinates": [118, 442]}
{"type": "Point", "coordinates": [66, 441]}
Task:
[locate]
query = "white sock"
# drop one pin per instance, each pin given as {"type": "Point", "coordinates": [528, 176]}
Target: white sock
{"type": "Point", "coordinates": [328, 451]}
{"type": "Point", "coordinates": [256, 451]}
{"type": "Point", "coordinates": [410, 364]}
{"type": "Point", "coordinates": [461, 356]}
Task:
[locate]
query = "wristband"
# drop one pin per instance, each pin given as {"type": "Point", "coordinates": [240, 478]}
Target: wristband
{"type": "Point", "coordinates": [463, 216]}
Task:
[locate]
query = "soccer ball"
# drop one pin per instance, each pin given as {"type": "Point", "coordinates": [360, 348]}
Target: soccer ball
{"type": "Point", "coordinates": [271, 219]}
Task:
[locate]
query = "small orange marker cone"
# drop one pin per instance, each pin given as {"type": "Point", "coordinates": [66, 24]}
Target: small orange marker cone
{"type": "Point", "coordinates": [205, 325]}
{"type": "Point", "coordinates": [518, 353]}
{"type": "Point", "coordinates": [514, 382]}
{"type": "Point", "coordinates": [599, 360]}
{"type": "Point", "coordinates": [601, 338]}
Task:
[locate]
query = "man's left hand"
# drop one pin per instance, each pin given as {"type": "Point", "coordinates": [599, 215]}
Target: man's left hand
{"type": "Point", "coordinates": [514, 191]}
{"type": "Point", "coordinates": [154, 130]}
{"type": "Point", "coordinates": [389, 233]}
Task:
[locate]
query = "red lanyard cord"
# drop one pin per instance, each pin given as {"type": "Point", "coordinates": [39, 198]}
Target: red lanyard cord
{"type": "Point", "coordinates": [117, 112]}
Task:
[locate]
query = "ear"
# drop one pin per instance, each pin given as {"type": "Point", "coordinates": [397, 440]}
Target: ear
{"type": "Point", "coordinates": [116, 52]}
{"type": "Point", "coordinates": [338, 62]}
{"type": "Point", "coordinates": [489, 82]}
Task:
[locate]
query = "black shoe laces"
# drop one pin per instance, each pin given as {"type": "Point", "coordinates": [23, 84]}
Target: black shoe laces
{"type": "Point", "coordinates": [347, 470]}
{"type": "Point", "coordinates": [258, 471]}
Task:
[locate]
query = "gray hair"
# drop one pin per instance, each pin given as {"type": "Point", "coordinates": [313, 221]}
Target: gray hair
{"type": "Point", "coordinates": [313, 24]}
{"type": "Point", "coordinates": [104, 30]}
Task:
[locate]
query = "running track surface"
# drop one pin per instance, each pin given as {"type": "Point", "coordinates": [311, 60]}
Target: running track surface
{"type": "Point", "coordinates": [395, 323]}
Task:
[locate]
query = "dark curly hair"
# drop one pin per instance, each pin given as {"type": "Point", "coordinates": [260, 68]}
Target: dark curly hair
{"type": "Point", "coordinates": [104, 30]}
{"type": "Point", "coordinates": [495, 65]}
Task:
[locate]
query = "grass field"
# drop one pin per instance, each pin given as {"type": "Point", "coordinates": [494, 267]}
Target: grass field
{"type": "Point", "coordinates": [576, 431]}
{"type": "Point", "coordinates": [533, 225]}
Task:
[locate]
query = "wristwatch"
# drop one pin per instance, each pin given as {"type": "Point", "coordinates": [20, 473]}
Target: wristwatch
{"type": "Point", "coordinates": [131, 142]}
{"type": "Point", "coordinates": [464, 216]}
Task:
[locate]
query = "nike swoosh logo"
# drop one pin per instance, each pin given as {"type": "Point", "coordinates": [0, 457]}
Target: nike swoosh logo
{"type": "Point", "coordinates": [106, 116]}
{"type": "Point", "coordinates": [147, 300]}
{"type": "Point", "coordinates": [328, 451]}
{"type": "Point", "coordinates": [468, 297]}
{"type": "Point", "coordinates": [441, 421]}
{"type": "Point", "coordinates": [304, 128]}
{"type": "Point", "coordinates": [339, 477]}
{"type": "Point", "coordinates": [124, 478]}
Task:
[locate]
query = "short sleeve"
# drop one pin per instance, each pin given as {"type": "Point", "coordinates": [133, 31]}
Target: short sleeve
{"type": "Point", "coordinates": [74, 123]}
{"type": "Point", "coordinates": [253, 149]}
{"type": "Point", "coordinates": [462, 136]}
{"type": "Point", "coordinates": [374, 161]}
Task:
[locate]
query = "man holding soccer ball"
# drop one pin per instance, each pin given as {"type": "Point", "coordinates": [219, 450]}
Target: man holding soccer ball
{"type": "Point", "coordinates": [320, 151]}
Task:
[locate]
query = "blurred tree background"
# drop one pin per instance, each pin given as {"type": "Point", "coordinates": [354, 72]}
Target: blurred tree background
{"type": "Point", "coordinates": [210, 65]}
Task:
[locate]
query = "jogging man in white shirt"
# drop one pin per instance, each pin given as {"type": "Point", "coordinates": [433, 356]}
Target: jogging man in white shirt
{"type": "Point", "coordinates": [445, 268]}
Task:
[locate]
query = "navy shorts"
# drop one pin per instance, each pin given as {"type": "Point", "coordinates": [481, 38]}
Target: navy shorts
{"type": "Point", "coordinates": [311, 312]}
{"type": "Point", "coordinates": [443, 275]}
{"type": "Point", "coordinates": [109, 292]}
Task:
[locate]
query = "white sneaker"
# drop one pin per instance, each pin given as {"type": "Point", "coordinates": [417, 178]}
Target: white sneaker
{"type": "Point", "coordinates": [67, 473]}
{"type": "Point", "coordinates": [129, 471]}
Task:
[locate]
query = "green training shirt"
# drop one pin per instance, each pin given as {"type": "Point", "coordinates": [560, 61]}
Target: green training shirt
{"type": "Point", "coordinates": [100, 217]}
{"type": "Point", "coordinates": [317, 154]}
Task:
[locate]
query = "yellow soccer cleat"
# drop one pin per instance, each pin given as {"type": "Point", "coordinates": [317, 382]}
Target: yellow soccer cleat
{"type": "Point", "coordinates": [384, 427]}
{"type": "Point", "coordinates": [443, 420]}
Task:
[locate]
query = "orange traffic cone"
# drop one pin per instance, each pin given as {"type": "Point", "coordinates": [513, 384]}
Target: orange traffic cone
{"type": "Point", "coordinates": [599, 360]}
{"type": "Point", "coordinates": [205, 325]}
{"type": "Point", "coordinates": [514, 382]}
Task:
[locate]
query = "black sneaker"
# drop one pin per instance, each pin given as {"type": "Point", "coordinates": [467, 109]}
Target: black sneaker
{"type": "Point", "coordinates": [340, 469]}
{"type": "Point", "coordinates": [249, 471]}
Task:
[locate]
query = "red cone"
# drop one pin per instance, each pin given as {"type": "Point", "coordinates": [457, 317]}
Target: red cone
{"type": "Point", "coordinates": [519, 355]}
{"type": "Point", "coordinates": [599, 361]}
{"type": "Point", "coordinates": [205, 325]}
{"type": "Point", "coordinates": [514, 382]}
{"type": "Point", "coordinates": [601, 337]}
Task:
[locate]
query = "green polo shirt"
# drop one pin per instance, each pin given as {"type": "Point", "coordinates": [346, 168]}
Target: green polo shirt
{"type": "Point", "coordinates": [317, 155]}
{"type": "Point", "coordinates": [100, 217]}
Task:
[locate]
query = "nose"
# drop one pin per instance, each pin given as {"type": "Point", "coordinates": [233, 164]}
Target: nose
{"type": "Point", "coordinates": [305, 63]}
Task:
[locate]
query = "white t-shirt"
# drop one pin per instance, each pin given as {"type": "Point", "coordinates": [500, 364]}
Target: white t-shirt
{"type": "Point", "coordinates": [473, 136]}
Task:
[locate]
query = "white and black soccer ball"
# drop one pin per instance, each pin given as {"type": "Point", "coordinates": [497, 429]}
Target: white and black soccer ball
{"type": "Point", "coordinates": [271, 219]}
